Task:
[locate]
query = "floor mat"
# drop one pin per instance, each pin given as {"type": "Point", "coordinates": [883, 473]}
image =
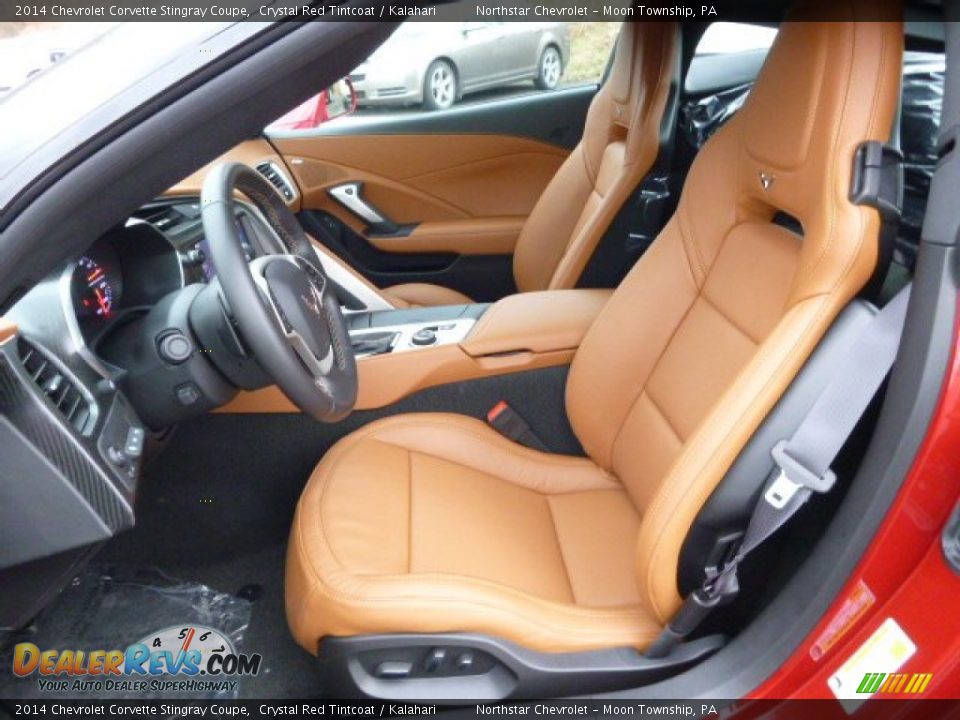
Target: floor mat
{"type": "Point", "coordinates": [109, 608]}
{"type": "Point", "coordinates": [287, 671]}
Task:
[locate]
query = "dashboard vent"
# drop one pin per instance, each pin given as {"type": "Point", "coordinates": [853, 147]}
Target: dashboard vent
{"type": "Point", "coordinates": [274, 174]}
{"type": "Point", "coordinates": [75, 408]}
{"type": "Point", "coordinates": [163, 218]}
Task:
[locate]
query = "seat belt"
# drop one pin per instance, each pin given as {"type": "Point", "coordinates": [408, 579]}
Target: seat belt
{"type": "Point", "coordinates": [803, 462]}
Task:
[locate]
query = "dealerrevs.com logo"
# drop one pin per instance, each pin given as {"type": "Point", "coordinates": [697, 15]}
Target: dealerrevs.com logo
{"type": "Point", "coordinates": [185, 659]}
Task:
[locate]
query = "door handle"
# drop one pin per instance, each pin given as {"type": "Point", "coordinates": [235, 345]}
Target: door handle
{"type": "Point", "coordinates": [350, 195]}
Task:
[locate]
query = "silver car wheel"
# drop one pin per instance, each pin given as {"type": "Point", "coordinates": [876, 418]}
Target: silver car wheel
{"type": "Point", "coordinates": [441, 86]}
{"type": "Point", "coordinates": [551, 67]}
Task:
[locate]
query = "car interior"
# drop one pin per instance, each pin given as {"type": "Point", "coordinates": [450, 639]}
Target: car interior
{"type": "Point", "coordinates": [464, 404]}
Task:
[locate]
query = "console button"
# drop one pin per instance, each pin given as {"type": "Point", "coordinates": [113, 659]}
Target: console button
{"type": "Point", "coordinates": [187, 394]}
{"type": "Point", "coordinates": [426, 336]}
{"type": "Point", "coordinates": [116, 456]}
{"type": "Point", "coordinates": [134, 445]}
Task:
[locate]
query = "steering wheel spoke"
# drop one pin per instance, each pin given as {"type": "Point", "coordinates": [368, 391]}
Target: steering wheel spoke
{"type": "Point", "coordinates": [317, 362]}
{"type": "Point", "coordinates": [281, 302]}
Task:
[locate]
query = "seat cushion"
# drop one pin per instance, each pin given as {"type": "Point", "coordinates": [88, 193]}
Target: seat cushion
{"type": "Point", "coordinates": [424, 295]}
{"type": "Point", "coordinates": [436, 523]}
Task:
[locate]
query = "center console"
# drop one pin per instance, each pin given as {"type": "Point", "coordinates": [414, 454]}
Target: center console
{"type": "Point", "coordinates": [400, 352]}
{"type": "Point", "coordinates": [396, 331]}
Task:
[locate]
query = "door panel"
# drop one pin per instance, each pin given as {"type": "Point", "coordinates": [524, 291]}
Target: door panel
{"type": "Point", "coordinates": [454, 188]}
{"type": "Point", "coordinates": [477, 236]}
{"type": "Point", "coordinates": [423, 178]}
{"type": "Point", "coordinates": [485, 278]}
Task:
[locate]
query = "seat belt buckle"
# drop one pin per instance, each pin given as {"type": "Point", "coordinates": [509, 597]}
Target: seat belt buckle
{"type": "Point", "coordinates": [509, 423]}
{"type": "Point", "coordinates": [793, 476]}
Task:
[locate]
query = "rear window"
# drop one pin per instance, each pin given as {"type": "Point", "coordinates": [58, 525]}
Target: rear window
{"type": "Point", "coordinates": [727, 55]}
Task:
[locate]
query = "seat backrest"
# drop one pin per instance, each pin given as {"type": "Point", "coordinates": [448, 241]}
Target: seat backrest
{"type": "Point", "coordinates": [621, 139]}
{"type": "Point", "coordinates": [717, 317]}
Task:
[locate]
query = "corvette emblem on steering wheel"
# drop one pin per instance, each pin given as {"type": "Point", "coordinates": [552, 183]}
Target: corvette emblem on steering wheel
{"type": "Point", "coordinates": [312, 301]}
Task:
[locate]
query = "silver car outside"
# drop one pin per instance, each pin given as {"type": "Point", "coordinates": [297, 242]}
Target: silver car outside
{"type": "Point", "coordinates": [436, 63]}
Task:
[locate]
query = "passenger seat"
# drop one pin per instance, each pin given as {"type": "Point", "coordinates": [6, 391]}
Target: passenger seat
{"type": "Point", "coordinates": [619, 147]}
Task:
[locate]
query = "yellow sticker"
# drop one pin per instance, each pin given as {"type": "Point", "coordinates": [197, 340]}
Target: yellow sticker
{"type": "Point", "coordinates": [859, 678]}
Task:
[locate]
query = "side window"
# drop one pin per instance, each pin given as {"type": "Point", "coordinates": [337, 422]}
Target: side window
{"type": "Point", "coordinates": [922, 99]}
{"type": "Point", "coordinates": [434, 66]}
{"type": "Point", "coordinates": [430, 66]}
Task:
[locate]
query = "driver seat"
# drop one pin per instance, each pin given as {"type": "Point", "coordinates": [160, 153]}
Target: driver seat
{"type": "Point", "coordinates": [434, 523]}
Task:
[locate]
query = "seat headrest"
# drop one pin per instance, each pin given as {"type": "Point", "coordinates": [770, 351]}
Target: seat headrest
{"type": "Point", "coordinates": [823, 89]}
{"type": "Point", "coordinates": [642, 53]}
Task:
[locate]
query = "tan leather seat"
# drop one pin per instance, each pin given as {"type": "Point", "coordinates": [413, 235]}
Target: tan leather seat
{"type": "Point", "coordinates": [423, 295]}
{"type": "Point", "coordinates": [435, 523]}
{"type": "Point", "coordinates": [621, 138]}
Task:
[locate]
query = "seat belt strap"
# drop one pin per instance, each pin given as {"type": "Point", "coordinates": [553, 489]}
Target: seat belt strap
{"type": "Point", "coordinates": [803, 462]}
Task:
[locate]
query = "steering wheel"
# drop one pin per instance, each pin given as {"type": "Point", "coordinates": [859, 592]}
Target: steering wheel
{"type": "Point", "coordinates": [284, 305]}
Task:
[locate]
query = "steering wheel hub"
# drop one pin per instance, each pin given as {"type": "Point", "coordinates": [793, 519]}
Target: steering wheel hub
{"type": "Point", "coordinates": [299, 303]}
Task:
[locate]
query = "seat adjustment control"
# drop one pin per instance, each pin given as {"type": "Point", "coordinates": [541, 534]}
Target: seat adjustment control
{"type": "Point", "coordinates": [464, 662]}
{"type": "Point", "coordinates": [393, 669]}
{"type": "Point", "coordinates": [434, 660]}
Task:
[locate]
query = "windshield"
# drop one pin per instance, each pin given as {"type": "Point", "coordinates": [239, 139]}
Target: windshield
{"type": "Point", "coordinates": [65, 81]}
{"type": "Point", "coordinates": [28, 48]}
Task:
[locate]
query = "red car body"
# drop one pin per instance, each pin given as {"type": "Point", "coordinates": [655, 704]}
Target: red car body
{"type": "Point", "coordinates": [306, 115]}
{"type": "Point", "coordinates": [317, 110]}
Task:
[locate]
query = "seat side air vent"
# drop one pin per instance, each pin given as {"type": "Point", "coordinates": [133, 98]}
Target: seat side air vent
{"type": "Point", "coordinates": [58, 388]}
{"type": "Point", "coordinates": [272, 172]}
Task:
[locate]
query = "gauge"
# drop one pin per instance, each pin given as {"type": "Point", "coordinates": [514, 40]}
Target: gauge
{"type": "Point", "coordinates": [95, 292]}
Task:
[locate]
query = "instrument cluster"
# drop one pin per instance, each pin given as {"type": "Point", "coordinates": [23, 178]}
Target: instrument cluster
{"type": "Point", "coordinates": [127, 270]}
{"type": "Point", "coordinates": [97, 284]}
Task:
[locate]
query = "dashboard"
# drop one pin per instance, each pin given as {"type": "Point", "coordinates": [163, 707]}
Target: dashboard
{"type": "Point", "coordinates": [98, 360]}
{"type": "Point", "coordinates": [159, 250]}
{"type": "Point", "coordinates": [84, 381]}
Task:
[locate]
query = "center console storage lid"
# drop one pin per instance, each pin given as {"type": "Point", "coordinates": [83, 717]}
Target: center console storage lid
{"type": "Point", "coordinates": [537, 322]}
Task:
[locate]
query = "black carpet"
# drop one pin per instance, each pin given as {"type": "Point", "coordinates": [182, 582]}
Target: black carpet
{"type": "Point", "coordinates": [216, 503]}
{"type": "Point", "coordinates": [221, 519]}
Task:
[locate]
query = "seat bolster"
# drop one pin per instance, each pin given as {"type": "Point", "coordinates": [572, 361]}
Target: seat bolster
{"type": "Point", "coordinates": [328, 594]}
{"type": "Point", "coordinates": [424, 295]}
